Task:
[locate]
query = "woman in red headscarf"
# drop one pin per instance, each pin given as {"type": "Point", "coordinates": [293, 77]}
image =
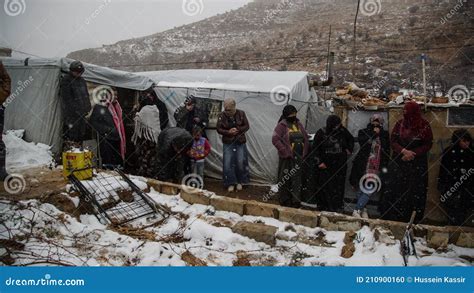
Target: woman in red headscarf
{"type": "Point", "coordinates": [407, 186]}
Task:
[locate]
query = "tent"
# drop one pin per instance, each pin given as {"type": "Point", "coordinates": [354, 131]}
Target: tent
{"type": "Point", "coordinates": [34, 104]}
{"type": "Point", "coordinates": [262, 95]}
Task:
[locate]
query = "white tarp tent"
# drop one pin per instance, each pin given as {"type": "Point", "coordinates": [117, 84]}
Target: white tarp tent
{"type": "Point", "coordinates": [262, 95]}
{"type": "Point", "coordinates": [34, 104]}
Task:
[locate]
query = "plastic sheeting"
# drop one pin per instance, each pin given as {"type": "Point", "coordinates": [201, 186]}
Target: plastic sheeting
{"type": "Point", "coordinates": [34, 104]}
{"type": "Point", "coordinates": [254, 94]}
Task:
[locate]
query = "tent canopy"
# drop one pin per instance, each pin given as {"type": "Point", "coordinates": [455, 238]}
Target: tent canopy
{"type": "Point", "coordinates": [34, 104]}
{"type": "Point", "coordinates": [256, 93]}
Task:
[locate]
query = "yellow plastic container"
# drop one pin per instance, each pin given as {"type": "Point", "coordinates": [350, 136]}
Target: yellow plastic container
{"type": "Point", "coordinates": [78, 160]}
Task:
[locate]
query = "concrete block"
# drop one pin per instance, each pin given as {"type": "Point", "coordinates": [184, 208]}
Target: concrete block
{"type": "Point", "coordinates": [257, 231]}
{"type": "Point", "coordinates": [299, 217]}
{"type": "Point", "coordinates": [258, 209]}
{"type": "Point", "coordinates": [228, 204]}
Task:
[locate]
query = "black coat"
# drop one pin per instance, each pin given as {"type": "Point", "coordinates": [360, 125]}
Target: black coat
{"type": "Point", "coordinates": [185, 119]}
{"type": "Point", "coordinates": [328, 146]}
{"type": "Point", "coordinates": [170, 164]}
{"type": "Point", "coordinates": [75, 98]}
{"type": "Point", "coordinates": [102, 122]}
{"type": "Point", "coordinates": [456, 182]}
{"type": "Point", "coordinates": [359, 164]}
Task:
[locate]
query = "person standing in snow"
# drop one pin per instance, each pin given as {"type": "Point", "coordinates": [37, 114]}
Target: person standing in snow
{"type": "Point", "coordinates": [371, 160]}
{"type": "Point", "coordinates": [149, 98]}
{"type": "Point", "coordinates": [199, 151]}
{"type": "Point", "coordinates": [291, 141]}
{"type": "Point", "coordinates": [75, 104]}
{"type": "Point", "coordinates": [172, 148]}
{"type": "Point", "coordinates": [332, 146]}
{"type": "Point", "coordinates": [232, 124]}
{"type": "Point", "coordinates": [456, 179]}
{"type": "Point", "coordinates": [5, 91]}
{"type": "Point", "coordinates": [187, 116]}
{"type": "Point", "coordinates": [411, 140]}
{"type": "Point", "coordinates": [106, 119]}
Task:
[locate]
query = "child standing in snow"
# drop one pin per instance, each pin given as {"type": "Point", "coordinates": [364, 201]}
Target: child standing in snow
{"type": "Point", "coordinates": [199, 151]}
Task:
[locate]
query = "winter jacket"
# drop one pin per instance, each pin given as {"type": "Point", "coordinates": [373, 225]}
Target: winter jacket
{"type": "Point", "coordinates": [456, 172]}
{"type": "Point", "coordinates": [185, 119]}
{"type": "Point", "coordinates": [239, 121]}
{"type": "Point", "coordinates": [420, 142]}
{"type": "Point", "coordinates": [281, 140]}
{"type": "Point", "coordinates": [326, 146]}
{"type": "Point", "coordinates": [103, 123]}
{"type": "Point", "coordinates": [179, 137]}
{"type": "Point", "coordinates": [200, 149]}
{"type": "Point", "coordinates": [75, 98]}
{"type": "Point", "coordinates": [359, 164]}
{"type": "Point", "coordinates": [5, 84]}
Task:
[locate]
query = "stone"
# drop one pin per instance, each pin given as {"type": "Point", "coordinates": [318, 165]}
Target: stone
{"type": "Point", "coordinates": [228, 204]}
{"type": "Point", "coordinates": [191, 260]}
{"type": "Point", "coordinates": [438, 239]}
{"type": "Point", "coordinates": [384, 235]}
{"type": "Point", "coordinates": [349, 237]}
{"type": "Point", "coordinates": [195, 197]}
{"type": "Point", "coordinates": [257, 231]}
{"type": "Point", "coordinates": [466, 240]}
{"type": "Point", "coordinates": [348, 226]}
{"type": "Point", "coordinates": [258, 209]}
{"type": "Point", "coordinates": [348, 250]}
{"type": "Point", "coordinates": [297, 216]}
{"type": "Point", "coordinates": [169, 190]}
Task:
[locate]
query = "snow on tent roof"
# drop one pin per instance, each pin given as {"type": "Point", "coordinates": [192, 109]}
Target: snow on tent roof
{"type": "Point", "coordinates": [93, 73]}
{"type": "Point", "coordinates": [232, 80]}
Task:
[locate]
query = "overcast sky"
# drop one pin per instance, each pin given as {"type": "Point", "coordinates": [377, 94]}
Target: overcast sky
{"type": "Point", "coordinates": [53, 28]}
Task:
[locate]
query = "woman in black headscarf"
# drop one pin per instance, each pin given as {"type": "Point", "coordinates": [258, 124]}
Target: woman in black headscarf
{"type": "Point", "coordinates": [332, 146]}
{"type": "Point", "coordinates": [291, 141]}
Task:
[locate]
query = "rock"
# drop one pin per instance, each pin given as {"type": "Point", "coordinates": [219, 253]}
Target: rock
{"type": "Point", "coordinates": [383, 235]}
{"type": "Point", "coordinates": [349, 237]}
{"type": "Point", "coordinates": [61, 201]}
{"type": "Point", "coordinates": [195, 197]}
{"type": "Point", "coordinates": [242, 259]}
{"type": "Point", "coordinates": [348, 226]}
{"type": "Point", "coordinates": [228, 204]}
{"type": "Point", "coordinates": [257, 231]}
{"type": "Point", "coordinates": [438, 239]}
{"type": "Point", "coordinates": [169, 190]}
{"type": "Point", "coordinates": [466, 240]}
{"type": "Point", "coordinates": [191, 260]}
{"type": "Point", "coordinates": [297, 216]}
{"type": "Point", "coordinates": [348, 250]}
{"type": "Point", "coordinates": [258, 209]}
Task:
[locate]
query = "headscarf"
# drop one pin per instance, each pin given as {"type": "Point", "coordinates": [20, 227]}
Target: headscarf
{"type": "Point", "coordinates": [230, 104]}
{"type": "Point", "coordinates": [147, 124]}
{"type": "Point", "coordinates": [287, 111]}
{"type": "Point", "coordinates": [412, 116]}
{"type": "Point", "coordinates": [377, 117]}
{"type": "Point", "coordinates": [331, 123]}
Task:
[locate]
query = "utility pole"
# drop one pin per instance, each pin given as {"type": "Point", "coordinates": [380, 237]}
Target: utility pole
{"type": "Point", "coordinates": [423, 65]}
{"type": "Point", "coordinates": [354, 55]}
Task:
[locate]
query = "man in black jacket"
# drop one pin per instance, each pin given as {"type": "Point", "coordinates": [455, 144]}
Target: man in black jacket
{"type": "Point", "coordinates": [173, 145]}
{"type": "Point", "coordinates": [75, 104]}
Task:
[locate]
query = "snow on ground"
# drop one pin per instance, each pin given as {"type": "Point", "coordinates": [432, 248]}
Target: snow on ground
{"type": "Point", "coordinates": [23, 155]}
{"type": "Point", "coordinates": [53, 237]}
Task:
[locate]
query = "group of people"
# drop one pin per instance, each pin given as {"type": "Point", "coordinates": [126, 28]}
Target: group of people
{"type": "Point", "coordinates": [310, 173]}
{"type": "Point", "coordinates": [396, 165]}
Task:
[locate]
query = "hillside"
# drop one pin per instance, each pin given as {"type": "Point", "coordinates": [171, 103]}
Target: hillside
{"type": "Point", "coordinates": [294, 34]}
